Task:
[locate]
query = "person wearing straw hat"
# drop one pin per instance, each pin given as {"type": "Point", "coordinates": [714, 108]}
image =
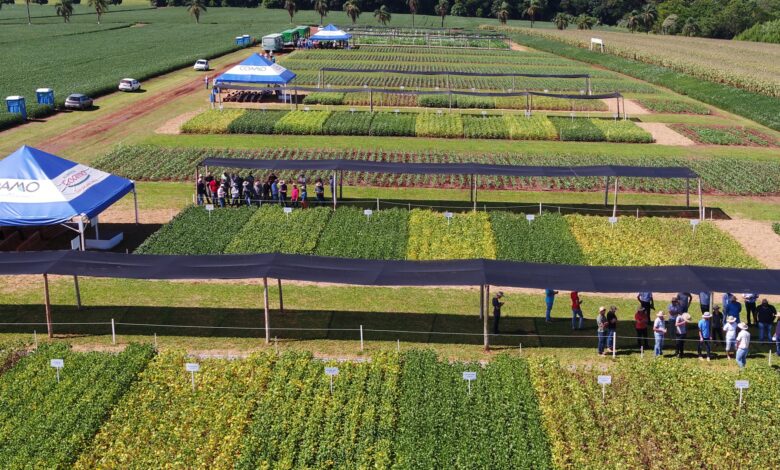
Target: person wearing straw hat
{"type": "Point", "coordinates": [497, 304]}
{"type": "Point", "coordinates": [601, 325]}
{"type": "Point", "coordinates": [681, 330]}
{"type": "Point", "coordinates": [659, 330]}
{"type": "Point", "coordinates": [705, 327]}
{"type": "Point", "coordinates": [776, 337]}
{"type": "Point", "coordinates": [743, 343]}
{"type": "Point", "coordinates": [730, 328]}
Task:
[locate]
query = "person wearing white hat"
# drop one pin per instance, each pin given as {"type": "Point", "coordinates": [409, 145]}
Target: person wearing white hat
{"type": "Point", "coordinates": [743, 343]}
{"type": "Point", "coordinates": [730, 328]}
{"type": "Point", "coordinates": [659, 330]}
{"type": "Point", "coordinates": [704, 335]}
{"type": "Point", "coordinates": [681, 330]}
{"type": "Point", "coordinates": [601, 325]}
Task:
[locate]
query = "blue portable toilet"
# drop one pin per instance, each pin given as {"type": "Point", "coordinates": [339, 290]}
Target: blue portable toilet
{"type": "Point", "coordinates": [16, 105]}
{"type": "Point", "coordinates": [45, 96]}
{"type": "Point", "coordinates": [239, 40]}
{"type": "Point", "coordinates": [247, 39]}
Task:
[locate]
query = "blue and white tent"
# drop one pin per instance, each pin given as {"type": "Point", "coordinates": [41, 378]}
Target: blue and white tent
{"type": "Point", "coordinates": [255, 70]}
{"type": "Point", "coordinates": [38, 188]}
{"type": "Point", "coordinates": [330, 33]}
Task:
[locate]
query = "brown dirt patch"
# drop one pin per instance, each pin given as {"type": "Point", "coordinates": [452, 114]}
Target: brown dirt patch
{"type": "Point", "coordinates": [632, 107]}
{"type": "Point", "coordinates": [757, 237]}
{"type": "Point", "coordinates": [173, 126]}
{"type": "Point", "coordinates": [665, 136]}
{"type": "Point", "coordinates": [517, 47]}
{"type": "Point", "coordinates": [126, 215]}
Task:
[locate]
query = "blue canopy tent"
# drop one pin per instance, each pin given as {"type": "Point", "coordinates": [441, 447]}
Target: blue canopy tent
{"type": "Point", "coordinates": [330, 33]}
{"type": "Point", "coordinates": [38, 188]}
{"type": "Point", "coordinates": [254, 70]}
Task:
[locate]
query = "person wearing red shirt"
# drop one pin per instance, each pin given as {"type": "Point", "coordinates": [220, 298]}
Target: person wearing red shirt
{"type": "Point", "coordinates": [640, 319]}
{"type": "Point", "coordinates": [576, 310]}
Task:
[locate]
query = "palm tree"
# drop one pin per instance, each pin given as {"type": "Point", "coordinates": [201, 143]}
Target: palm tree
{"type": "Point", "coordinates": [585, 21]}
{"type": "Point", "coordinates": [413, 5]}
{"type": "Point", "coordinates": [669, 26]}
{"type": "Point", "coordinates": [100, 6]}
{"type": "Point", "coordinates": [531, 8]}
{"type": "Point", "coordinates": [321, 7]}
{"type": "Point", "coordinates": [502, 13]}
{"type": "Point", "coordinates": [352, 9]}
{"type": "Point", "coordinates": [690, 28]}
{"type": "Point", "coordinates": [382, 15]}
{"type": "Point", "coordinates": [647, 15]}
{"type": "Point", "coordinates": [64, 9]}
{"type": "Point", "coordinates": [562, 20]}
{"type": "Point", "coordinates": [195, 7]}
{"type": "Point", "coordinates": [632, 20]}
{"type": "Point", "coordinates": [441, 9]}
{"type": "Point", "coordinates": [291, 7]}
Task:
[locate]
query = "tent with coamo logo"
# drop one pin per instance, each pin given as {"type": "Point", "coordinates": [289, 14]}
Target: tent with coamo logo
{"type": "Point", "coordinates": [38, 188]}
{"type": "Point", "coordinates": [255, 70]}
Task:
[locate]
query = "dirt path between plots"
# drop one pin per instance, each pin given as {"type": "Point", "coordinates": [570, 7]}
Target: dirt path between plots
{"type": "Point", "coordinates": [517, 47]}
{"type": "Point", "coordinates": [121, 117]}
{"type": "Point", "coordinates": [665, 136]}
{"type": "Point", "coordinates": [757, 237]}
{"type": "Point", "coordinates": [173, 126]}
{"type": "Point", "coordinates": [632, 107]}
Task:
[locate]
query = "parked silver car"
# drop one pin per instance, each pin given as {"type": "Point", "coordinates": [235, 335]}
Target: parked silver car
{"type": "Point", "coordinates": [78, 101]}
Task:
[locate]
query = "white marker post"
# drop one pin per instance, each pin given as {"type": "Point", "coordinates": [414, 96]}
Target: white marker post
{"type": "Point", "coordinates": [530, 218]}
{"type": "Point", "coordinates": [741, 385]}
{"type": "Point", "coordinates": [468, 377]}
{"type": "Point", "coordinates": [331, 372]}
{"type": "Point", "coordinates": [448, 216]}
{"type": "Point", "coordinates": [192, 367]}
{"type": "Point", "coordinates": [288, 211]}
{"type": "Point", "coordinates": [361, 337]}
{"type": "Point", "coordinates": [368, 213]}
{"type": "Point", "coordinates": [613, 221]}
{"type": "Point", "coordinates": [113, 332]}
{"type": "Point", "coordinates": [60, 363]}
{"type": "Point", "coordinates": [604, 380]}
{"type": "Point", "coordinates": [209, 209]}
{"type": "Point", "coordinates": [694, 223]}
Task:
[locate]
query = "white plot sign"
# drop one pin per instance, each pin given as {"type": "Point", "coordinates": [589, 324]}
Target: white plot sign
{"type": "Point", "coordinates": [604, 380]}
{"type": "Point", "coordinates": [192, 367]}
{"type": "Point", "coordinates": [57, 364]}
{"type": "Point", "coordinates": [331, 372]}
{"type": "Point", "coordinates": [468, 377]}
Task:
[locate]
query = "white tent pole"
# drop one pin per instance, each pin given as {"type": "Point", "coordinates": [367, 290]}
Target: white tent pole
{"type": "Point", "coordinates": [97, 227]}
{"type": "Point", "coordinates": [135, 203]}
{"type": "Point", "coordinates": [82, 241]}
{"type": "Point", "coordinates": [614, 207]}
{"type": "Point", "coordinates": [265, 305]}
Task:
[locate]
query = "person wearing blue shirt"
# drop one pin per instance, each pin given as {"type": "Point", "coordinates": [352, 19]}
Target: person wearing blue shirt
{"type": "Point", "coordinates": [733, 308]}
{"type": "Point", "coordinates": [704, 301]}
{"type": "Point", "coordinates": [704, 335]}
{"type": "Point", "coordinates": [549, 299]}
{"type": "Point", "coordinates": [685, 301]}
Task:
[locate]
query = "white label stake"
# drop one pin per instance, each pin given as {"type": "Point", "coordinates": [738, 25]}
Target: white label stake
{"type": "Point", "coordinates": [604, 380]}
{"type": "Point", "coordinates": [57, 364]}
{"type": "Point", "coordinates": [468, 377]}
{"type": "Point", "coordinates": [192, 367]}
{"type": "Point", "coordinates": [330, 372]}
{"type": "Point", "coordinates": [741, 385]}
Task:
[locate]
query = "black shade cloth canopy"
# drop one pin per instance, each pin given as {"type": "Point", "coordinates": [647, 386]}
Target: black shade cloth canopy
{"type": "Point", "coordinates": [455, 73]}
{"type": "Point", "coordinates": [453, 168]}
{"type": "Point", "coordinates": [394, 273]}
{"type": "Point", "coordinates": [409, 91]}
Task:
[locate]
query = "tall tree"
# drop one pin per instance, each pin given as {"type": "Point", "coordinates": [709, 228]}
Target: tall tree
{"type": "Point", "coordinates": [690, 28]}
{"type": "Point", "coordinates": [502, 12]}
{"type": "Point", "coordinates": [100, 6]}
{"type": "Point", "coordinates": [382, 15]}
{"type": "Point", "coordinates": [562, 20]}
{"type": "Point", "coordinates": [291, 7]}
{"type": "Point", "coordinates": [352, 9]}
{"type": "Point", "coordinates": [321, 7]}
{"type": "Point", "coordinates": [532, 7]}
{"type": "Point", "coordinates": [441, 9]}
{"type": "Point", "coordinates": [413, 5]}
{"type": "Point", "coordinates": [196, 7]}
{"type": "Point", "coordinates": [64, 9]}
{"type": "Point", "coordinates": [632, 20]}
{"type": "Point", "coordinates": [648, 15]}
{"type": "Point", "coordinates": [585, 21]}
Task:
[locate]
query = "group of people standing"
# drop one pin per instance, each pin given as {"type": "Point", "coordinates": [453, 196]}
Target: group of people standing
{"type": "Point", "coordinates": [234, 190]}
{"type": "Point", "coordinates": [715, 325]}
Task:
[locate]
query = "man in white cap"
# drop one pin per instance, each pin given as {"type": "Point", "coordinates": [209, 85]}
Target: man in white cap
{"type": "Point", "coordinates": [730, 328]}
{"type": "Point", "coordinates": [704, 335]}
{"type": "Point", "coordinates": [743, 343]}
{"type": "Point", "coordinates": [681, 331]}
{"type": "Point", "coordinates": [659, 330]}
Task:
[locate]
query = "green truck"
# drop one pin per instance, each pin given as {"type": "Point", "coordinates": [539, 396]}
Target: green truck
{"type": "Point", "coordinates": [289, 37]}
{"type": "Point", "coordinates": [303, 31]}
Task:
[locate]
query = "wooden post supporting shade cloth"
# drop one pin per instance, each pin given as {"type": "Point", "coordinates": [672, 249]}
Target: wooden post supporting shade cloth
{"type": "Point", "coordinates": [606, 191]}
{"type": "Point", "coordinates": [701, 201]}
{"type": "Point", "coordinates": [47, 305]}
{"type": "Point", "coordinates": [485, 327]}
{"type": "Point", "coordinates": [267, 316]}
{"type": "Point", "coordinates": [481, 302]}
{"type": "Point", "coordinates": [614, 206]}
{"type": "Point", "coordinates": [281, 299]}
{"type": "Point", "coordinates": [78, 292]}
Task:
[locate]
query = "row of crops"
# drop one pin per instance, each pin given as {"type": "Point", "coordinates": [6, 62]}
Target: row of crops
{"type": "Point", "coordinates": [723, 135]}
{"type": "Point", "coordinates": [450, 41]}
{"type": "Point", "coordinates": [453, 101]}
{"type": "Point", "coordinates": [157, 163]}
{"type": "Point", "coordinates": [138, 409]}
{"type": "Point", "coordinates": [427, 124]}
{"type": "Point", "coordinates": [427, 235]}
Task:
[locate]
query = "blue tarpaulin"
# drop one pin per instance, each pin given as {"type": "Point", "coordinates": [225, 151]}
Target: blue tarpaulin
{"type": "Point", "coordinates": [38, 188]}
{"type": "Point", "coordinates": [256, 69]}
{"type": "Point", "coordinates": [330, 33]}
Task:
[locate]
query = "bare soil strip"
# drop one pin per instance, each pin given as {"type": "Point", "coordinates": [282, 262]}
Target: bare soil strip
{"type": "Point", "coordinates": [757, 237]}
{"type": "Point", "coordinates": [665, 136]}
{"type": "Point", "coordinates": [632, 107]}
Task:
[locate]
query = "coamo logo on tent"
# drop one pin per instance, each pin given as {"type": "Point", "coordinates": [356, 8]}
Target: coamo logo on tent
{"type": "Point", "coordinates": [78, 179]}
{"type": "Point", "coordinates": [19, 186]}
{"type": "Point", "coordinates": [258, 69]}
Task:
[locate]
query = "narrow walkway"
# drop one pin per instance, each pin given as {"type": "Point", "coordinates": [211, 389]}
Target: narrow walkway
{"type": "Point", "coordinates": [632, 107]}
{"type": "Point", "coordinates": [757, 237]}
{"type": "Point", "coordinates": [665, 136]}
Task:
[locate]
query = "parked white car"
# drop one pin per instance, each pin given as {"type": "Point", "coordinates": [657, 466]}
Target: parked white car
{"type": "Point", "coordinates": [129, 84]}
{"type": "Point", "coordinates": [201, 65]}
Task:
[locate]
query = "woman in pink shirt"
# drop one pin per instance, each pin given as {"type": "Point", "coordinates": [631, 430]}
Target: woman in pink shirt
{"type": "Point", "coordinates": [294, 195]}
